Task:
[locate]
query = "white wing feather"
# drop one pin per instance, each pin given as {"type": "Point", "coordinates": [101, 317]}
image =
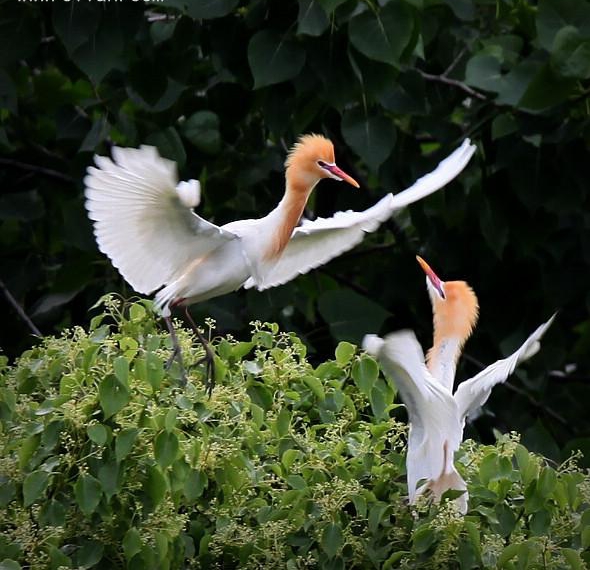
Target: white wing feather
{"type": "Point", "coordinates": [447, 170]}
{"type": "Point", "coordinates": [314, 243]}
{"type": "Point", "coordinates": [435, 433]}
{"type": "Point", "coordinates": [473, 393]}
{"type": "Point", "coordinates": [143, 219]}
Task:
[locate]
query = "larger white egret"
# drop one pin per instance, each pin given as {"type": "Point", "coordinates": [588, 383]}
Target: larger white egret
{"type": "Point", "coordinates": [144, 222]}
{"type": "Point", "coordinates": [436, 415]}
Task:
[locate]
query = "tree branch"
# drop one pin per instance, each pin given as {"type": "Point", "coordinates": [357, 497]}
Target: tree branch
{"type": "Point", "coordinates": [19, 310]}
{"type": "Point", "coordinates": [453, 83]}
{"type": "Point", "coordinates": [39, 169]}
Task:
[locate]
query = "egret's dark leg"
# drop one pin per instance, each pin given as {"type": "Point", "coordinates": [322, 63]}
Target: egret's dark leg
{"type": "Point", "coordinates": [209, 357]}
{"type": "Point", "coordinates": [176, 352]}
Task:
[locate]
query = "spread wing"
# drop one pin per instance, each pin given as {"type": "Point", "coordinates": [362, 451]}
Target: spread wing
{"type": "Point", "coordinates": [143, 218]}
{"type": "Point", "coordinates": [473, 393]}
{"type": "Point", "coordinates": [314, 243]}
{"type": "Point", "coordinates": [435, 433]}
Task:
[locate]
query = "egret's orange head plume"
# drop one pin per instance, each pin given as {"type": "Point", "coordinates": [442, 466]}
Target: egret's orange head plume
{"type": "Point", "coordinates": [455, 307]}
{"type": "Point", "coordinates": [310, 159]}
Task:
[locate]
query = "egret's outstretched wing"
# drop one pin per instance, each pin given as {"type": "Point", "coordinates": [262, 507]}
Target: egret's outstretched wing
{"type": "Point", "coordinates": [435, 433]}
{"type": "Point", "coordinates": [473, 393]}
{"type": "Point", "coordinates": [314, 243]}
{"type": "Point", "coordinates": [143, 219]}
{"type": "Point", "coordinates": [402, 359]}
{"type": "Point", "coordinates": [447, 170]}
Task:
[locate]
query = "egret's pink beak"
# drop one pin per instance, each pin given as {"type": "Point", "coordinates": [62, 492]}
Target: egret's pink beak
{"type": "Point", "coordinates": [432, 276]}
{"type": "Point", "coordinates": [340, 174]}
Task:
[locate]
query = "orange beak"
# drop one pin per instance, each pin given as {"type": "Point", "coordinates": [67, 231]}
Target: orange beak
{"type": "Point", "coordinates": [432, 276]}
{"type": "Point", "coordinates": [339, 174]}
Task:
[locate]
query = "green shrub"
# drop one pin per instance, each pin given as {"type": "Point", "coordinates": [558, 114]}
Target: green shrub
{"type": "Point", "coordinates": [107, 462]}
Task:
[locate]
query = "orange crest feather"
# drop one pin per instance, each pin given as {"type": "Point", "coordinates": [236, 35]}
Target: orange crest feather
{"type": "Point", "coordinates": [308, 150]}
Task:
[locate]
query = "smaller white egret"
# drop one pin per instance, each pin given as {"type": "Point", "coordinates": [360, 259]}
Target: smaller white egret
{"type": "Point", "coordinates": [436, 415]}
{"type": "Point", "coordinates": [144, 222]}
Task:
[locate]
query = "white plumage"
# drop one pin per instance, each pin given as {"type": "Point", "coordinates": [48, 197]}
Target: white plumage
{"type": "Point", "coordinates": [436, 415]}
{"type": "Point", "coordinates": [144, 223]}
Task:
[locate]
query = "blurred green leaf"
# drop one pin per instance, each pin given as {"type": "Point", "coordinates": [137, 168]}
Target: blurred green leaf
{"type": "Point", "coordinates": [350, 315]}
{"type": "Point", "coordinates": [312, 19]}
{"type": "Point", "coordinates": [383, 34]}
{"type": "Point", "coordinates": [202, 129]}
{"type": "Point", "coordinates": [332, 539]}
{"type": "Point", "coordinates": [372, 137]}
{"type": "Point", "coordinates": [165, 448]}
{"type": "Point", "coordinates": [113, 395]}
{"type": "Point", "coordinates": [34, 486]}
{"type": "Point", "coordinates": [88, 493]}
{"type": "Point", "coordinates": [273, 59]}
{"type": "Point", "coordinates": [124, 442]}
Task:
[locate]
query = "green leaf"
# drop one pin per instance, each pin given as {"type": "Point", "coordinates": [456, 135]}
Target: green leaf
{"type": "Point", "coordinates": [483, 72]}
{"type": "Point", "coordinates": [75, 26]}
{"type": "Point", "coordinates": [34, 486]}
{"type": "Point", "coordinates": [154, 370]}
{"type": "Point", "coordinates": [165, 448]}
{"type": "Point", "coordinates": [383, 35]}
{"type": "Point", "coordinates": [571, 53]}
{"type": "Point", "coordinates": [332, 539]}
{"type": "Point", "coordinates": [573, 559]}
{"type": "Point", "coordinates": [289, 457]}
{"type": "Point", "coordinates": [315, 386]}
{"type": "Point", "coordinates": [97, 433]}
{"type": "Point", "coordinates": [547, 481]}
{"type": "Point", "coordinates": [124, 442]}
{"type": "Point", "coordinates": [273, 59]}
{"type": "Point", "coordinates": [121, 368]}
{"type": "Point", "coordinates": [108, 475]}
{"type": "Point", "coordinates": [546, 89]}
{"type": "Point", "coordinates": [155, 485]}
{"type": "Point", "coordinates": [463, 9]}
{"type": "Point", "coordinates": [113, 395]}
{"type": "Point", "coordinates": [283, 422]}
{"type": "Point", "coordinates": [170, 420]}
{"type": "Point", "coordinates": [344, 352]}
{"type": "Point", "coordinates": [8, 564]}
{"type": "Point", "coordinates": [350, 315]}
{"type": "Point", "coordinates": [202, 129]}
{"type": "Point", "coordinates": [89, 554]}
{"type": "Point", "coordinates": [88, 492]}
{"type": "Point", "coordinates": [372, 137]}
{"type": "Point", "coordinates": [101, 52]}
{"type": "Point", "coordinates": [509, 553]}
{"type": "Point", "coordinates": [364, 373]}
{"type": "Point", "coordinates": [132, 543]}
{"type": "Point", "coordinates": [195, 484]}
{"type": "Point", "coordinates": [423, 539]}
{"type": "Point", "coordinates": [312, 19]}
{"type": "Point", "coordinates": [381, 398]}
{"type": "Point", "coordinates": [554, 15]}
{"type": "Point", "coordinates": [169, 145]}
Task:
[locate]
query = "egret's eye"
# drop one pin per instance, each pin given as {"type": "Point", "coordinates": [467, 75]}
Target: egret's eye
{"type": "Point", "coordinates": [322, 164]}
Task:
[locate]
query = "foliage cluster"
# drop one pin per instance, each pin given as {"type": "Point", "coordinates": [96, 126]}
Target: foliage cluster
{"type": "Point", "coordinates": [225, 87]}
{"type": "Point", "coordinates": [107, 462]}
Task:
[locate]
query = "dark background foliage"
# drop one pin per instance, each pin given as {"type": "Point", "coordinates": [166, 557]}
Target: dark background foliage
{"type": "Point", "coordinates": [225, 87]}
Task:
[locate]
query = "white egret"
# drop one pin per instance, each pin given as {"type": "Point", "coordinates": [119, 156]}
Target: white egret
{"type": "Point", "coordinates": [436, 414]}
{"type": "Point", "coordinates": [144, 222]}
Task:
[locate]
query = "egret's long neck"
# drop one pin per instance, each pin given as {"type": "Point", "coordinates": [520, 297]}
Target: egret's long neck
{"type": "Point", "coordinates": [442, 358]}
{"type": "Point", "coordinates": [287, 214]}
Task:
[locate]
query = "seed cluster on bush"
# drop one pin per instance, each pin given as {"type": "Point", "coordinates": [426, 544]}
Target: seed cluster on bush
{"type": "Point", "coordinates": [107, 461]}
